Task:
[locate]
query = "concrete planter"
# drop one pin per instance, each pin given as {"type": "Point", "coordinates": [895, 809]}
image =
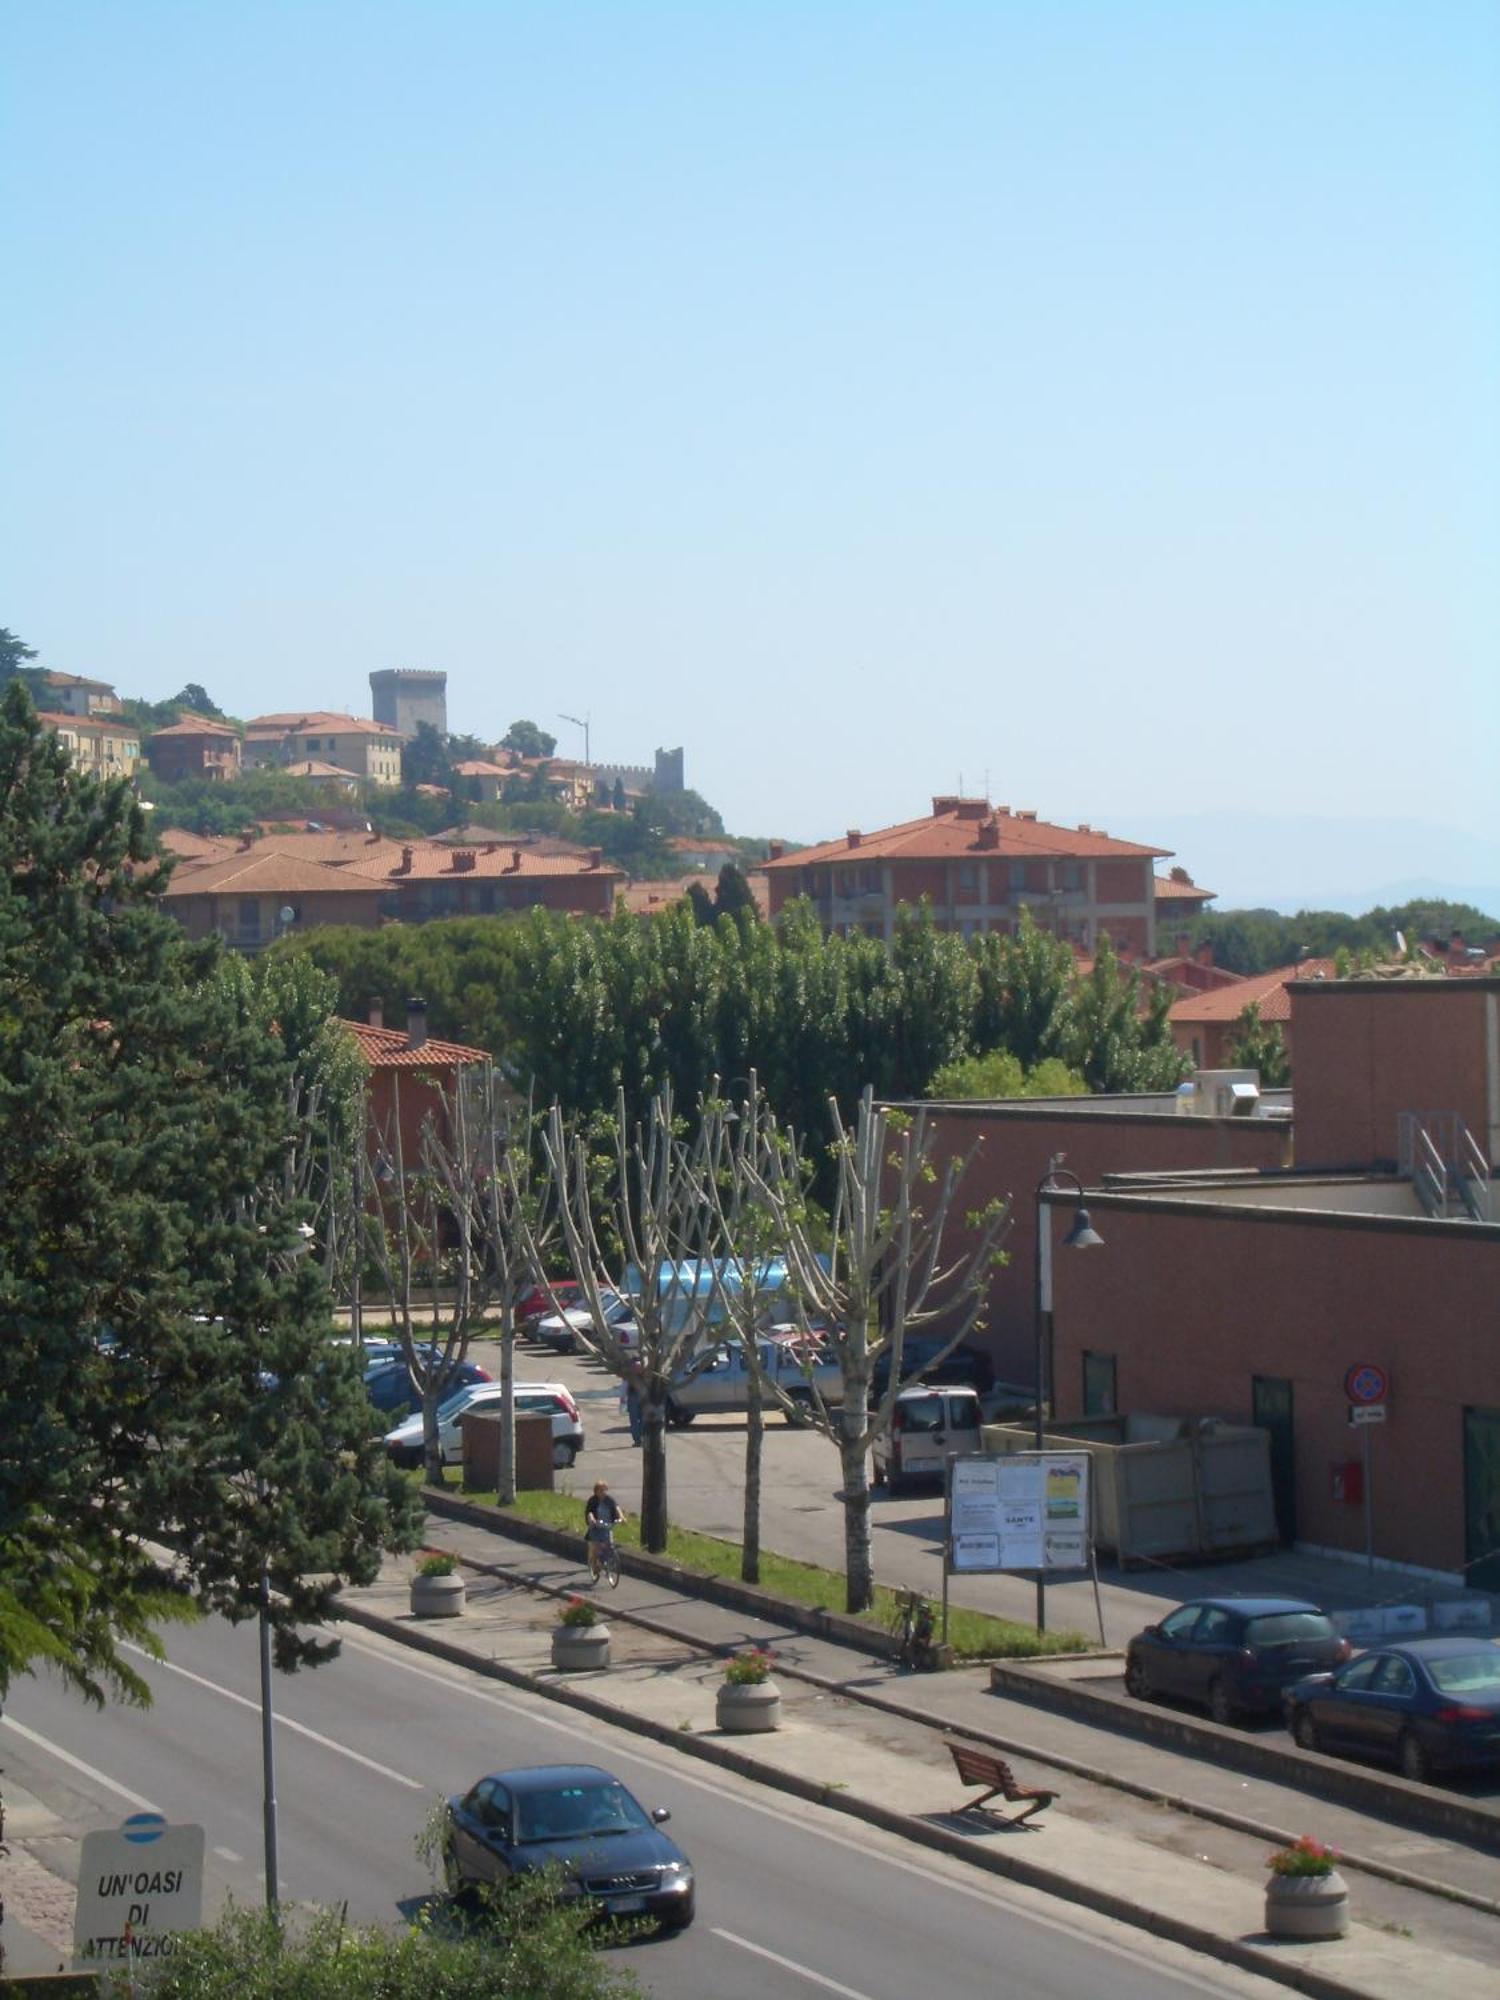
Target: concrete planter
{"type": "Point", "coordinates": [1307, 1906]}
{"type": "Point", "coordinates": [580, 1649]}
{"type": "Point", "coordinates": [437, 1596]}
{"type": "Point", "coordinates": [748, 1709]}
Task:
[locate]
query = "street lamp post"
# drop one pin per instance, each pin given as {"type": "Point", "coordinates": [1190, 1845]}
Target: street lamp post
{"type": "Point", "coordinates": [1081, 1236]}
{"type": "Point", "coordinates": [580, 722]}
{"type": "Point", "coordinates": [268, 1751]}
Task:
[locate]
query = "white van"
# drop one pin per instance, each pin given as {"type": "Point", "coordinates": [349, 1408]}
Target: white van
{"type": "Point", "coordinates": [722, 1382]}
{"type": "Point", "coordinates": [927, 1423]}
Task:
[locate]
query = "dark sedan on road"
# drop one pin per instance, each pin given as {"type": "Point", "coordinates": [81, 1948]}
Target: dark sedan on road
{"type": "Point", "coordinates": [1235, 1655]}
{"type": "Point", "coordinates": [1428, 1704]}
{"type": "Point", "coordinates": [580, 1819]}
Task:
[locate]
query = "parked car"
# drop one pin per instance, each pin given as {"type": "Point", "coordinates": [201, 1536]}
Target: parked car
{"type": "Point", "coordinates": [1429, 1704]}
{"type": "Point", "coordinates": [563, 1331]}
{"type": "Point", "coordinates": [926, 1424]}
{"type": "Point", "coordinates": [389, 1386]}
{"type": "Point", "coordinates": [405, 1444]}
{"type": "Point", "coordinates": [721, 1381]}
{"type": "Point", "coordinates": [923, 1360]}
{"type": "Point", "coordinates": [579, 1818]}
{"type": "Point", "coordinates": [1234, 1655]}
{"type": "Point", "coordinates": [535, 1304]}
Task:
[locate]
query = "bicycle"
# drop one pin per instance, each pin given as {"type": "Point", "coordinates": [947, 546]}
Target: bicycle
{"type": "Point", "coordinates": [912, 1623]}
{"type": "Point", "coordinates": [604, 1559]}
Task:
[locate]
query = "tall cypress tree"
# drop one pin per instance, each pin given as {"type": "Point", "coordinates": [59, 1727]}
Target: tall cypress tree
{"type": "Point", "coordinates": [166, 1373]}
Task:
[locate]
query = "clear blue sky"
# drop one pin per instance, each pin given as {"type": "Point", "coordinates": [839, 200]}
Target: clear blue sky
{"type": "Point", "coordinates": [1093, 402]}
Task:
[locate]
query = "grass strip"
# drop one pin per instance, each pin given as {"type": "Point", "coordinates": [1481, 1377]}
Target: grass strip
{"type": "Point", "coordinates": [973, 1635]}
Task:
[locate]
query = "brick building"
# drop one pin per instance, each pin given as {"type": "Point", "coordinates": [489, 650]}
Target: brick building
{"type": "Point", "coordinates": [978, 867]}
{"type": "Point", "coordinates": [194, 747]}
{"type": "Point", "coordinates": [1251, 1297]}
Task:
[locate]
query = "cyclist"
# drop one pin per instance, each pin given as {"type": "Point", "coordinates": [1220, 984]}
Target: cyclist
{"type": "Point", "coordinates": [602, 1514]}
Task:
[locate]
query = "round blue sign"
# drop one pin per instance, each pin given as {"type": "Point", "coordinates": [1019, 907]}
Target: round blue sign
{"type": "Point", "coordinates": [1366, 1383]}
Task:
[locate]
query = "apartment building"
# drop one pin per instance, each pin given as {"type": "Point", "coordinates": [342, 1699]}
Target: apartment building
{"type": "Point", "coordinates": [106, 746]}
{"type": "Point", "coordinates": [978, 866]}
{"type": "Point", "coordinates": [76, 694]}
{"type": "Point", "coordinates": [370, 751]}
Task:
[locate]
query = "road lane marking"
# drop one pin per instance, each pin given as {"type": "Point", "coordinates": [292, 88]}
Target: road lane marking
{"type": "Point", "coordinates": [88, 1770]}
{"type": "Point", "coordinates": [791, 1965]}
{"type": "Point", "coordinates": [285, 1722]}
{"type": "Point", "coordinates": [1022, 1896]}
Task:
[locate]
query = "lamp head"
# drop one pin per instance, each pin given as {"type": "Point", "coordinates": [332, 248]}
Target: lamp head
{"type": "Point", "coordinates": [1082, 1235]}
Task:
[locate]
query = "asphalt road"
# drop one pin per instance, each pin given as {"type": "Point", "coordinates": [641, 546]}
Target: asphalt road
{"type": "Point", "coordinates": [793, 1902]}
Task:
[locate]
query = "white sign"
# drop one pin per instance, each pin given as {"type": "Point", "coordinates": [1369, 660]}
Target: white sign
{"type": "Point", "coordinates": [1367, 1413]}
{"type": "Point", "coordinates": [1029, 1511]}
{"type": "Point", "coordinates": [138, 1884]}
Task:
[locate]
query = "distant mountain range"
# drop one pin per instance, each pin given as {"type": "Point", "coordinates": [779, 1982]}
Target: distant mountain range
{"type": "Point", "coordinates": [1255, 861]}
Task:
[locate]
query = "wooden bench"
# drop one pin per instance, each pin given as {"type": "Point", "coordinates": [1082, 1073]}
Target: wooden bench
{"type": "Point", "coordinates": [983, 1767]}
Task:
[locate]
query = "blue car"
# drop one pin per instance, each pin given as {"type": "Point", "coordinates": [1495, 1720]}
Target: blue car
{"type": "Point", "coordinates": [578, 1818]}
{"type": "Point", "coordinates": [1235, 1655]}
{"type": "Point", "coordinates": [389, 1386]}
{"type": "Point", "coordinates": [1426, 1704]}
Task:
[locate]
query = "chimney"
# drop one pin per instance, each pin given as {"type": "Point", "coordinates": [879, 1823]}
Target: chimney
{"type": "Point", "coordinates": [1205, 954]}
{"type": "Point", "coordinates": [416, 1024]}
{"type": "Point", "coordinates": [778, 848]}
{"type": "Point", "coordinates": [512, 867]}
{"type": "Point", "coordinates": [463, 860]}
{"type": "Point", "coordinates": [491, 846]}
{"type": "Point", "coordinates": [944, 803]}
{"type": "Point", "coordinates": [854, 836]}
{"type": "Point", "coordinates": [247, 840]}
{"type": "Point", "coordinates": [989, 833]}
{"type": "Point", "coordinates": [405, 868]}
{"type": "Point", "coordinates": [377, 1013]}
{"type": "Point", "coordinates": [596, 857]}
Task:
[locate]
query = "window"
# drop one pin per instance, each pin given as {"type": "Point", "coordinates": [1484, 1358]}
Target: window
{"type": "Point", "coordinates": [1359, 1676]}
{"type": "Point", "coordinates": [1070, 875]}
{"type": "Point", "coordinates": [968, 878]}
{"type": "Point", "coordinates": [249, 919]}
{"type": "Point", "coordinates": [963, 1413]}
{"type": "Point", "coordinates": [1216, 1628]}
{"type": "Point", "coordinates": [1393, 1677]}
{"type": "Point", "coordinates": [1180, 1623]}
{"type": "Point", "coordinates": [1018, 875]}
{"type": "Point", "coordinates": [1099, 1393]}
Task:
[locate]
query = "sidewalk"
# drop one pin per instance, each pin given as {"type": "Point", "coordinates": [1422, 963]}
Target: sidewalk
{"type": "Point", "coordinates": [863, 1737]}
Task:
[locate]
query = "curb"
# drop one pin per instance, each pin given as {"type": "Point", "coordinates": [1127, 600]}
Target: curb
{"type": "Point", "coordinates": [1069, 1699]}
{"type": "Point", "coordinates": [1017, 1746]}
{"type": "Point", "coordinates": [1394, 1798]}
{"type": "Point", "coordinates": [1229, 1951]}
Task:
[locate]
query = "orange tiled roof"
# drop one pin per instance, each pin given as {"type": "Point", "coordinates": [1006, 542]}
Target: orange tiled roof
{"type": "Point", "coordinates": [194, 725]}
{"type": "Point", "coordinates": [257, 872]}
{"type": "Point", "coordinates": [1267, 990]}
{"type": "Point", "coordinates": [54, 678]}
{"type": "Point", "coordinates": [478, 767]}
{"type": "Point", "coordinates": [954, 829]}
{"type": "Point", "coordinates": [431, 862]}
{"type": "Point", "coordinates": [193, 847]}
{"type": "Point", "coordinates": [388, 1048]}
{"type": "Point", "coordinates": [323, 720]}
{"type": "Point", "coordinates": [1168, 891]}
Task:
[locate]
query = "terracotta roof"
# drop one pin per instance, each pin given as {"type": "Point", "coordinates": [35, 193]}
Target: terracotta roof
{"type": "Point", "coordinates": [432, 862]}
{"type": "Point", "coordinates": [257, 872]}
{"type": "Point", "coordinates": [388, 1048]}
{"type": "Point", "coordinates": [102, 725]}
{"type": "Point", "coordinates": [323, 720]}
{"type": "Point", "coordinates": [954, 828]}
{"type": "Point", "coordinates": [1168, 891]}
{"type": "Point", "coordinates": [59, 680]}
{"type": "Point", "coordinates": [314, 767]}
{"type": "Point", "coordinates": [681, 843]}
{"type": "Point", "coordinates": [477, 767]}
{"type": "Point", "coordinates": [195, 847]}
{"type": "Point", "coordinates": [1267, 990]}
{"type": "Point", "coordinates": [194, 725]}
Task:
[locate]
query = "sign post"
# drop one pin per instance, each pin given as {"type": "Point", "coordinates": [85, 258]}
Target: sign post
{"type": "Point", "coordinates": [1030, 1511]}
{"type": "Point", "coordinates": [1367, 1386]}
{"type": "Point", "coordinates": [138, 1885]}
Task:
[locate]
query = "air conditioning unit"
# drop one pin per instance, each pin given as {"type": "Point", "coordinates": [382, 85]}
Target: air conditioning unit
{"type": "Point", "coordinates": [1221, 1093]}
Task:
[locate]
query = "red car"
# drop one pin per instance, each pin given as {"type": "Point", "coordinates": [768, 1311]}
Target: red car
{"type": "Point", "coordinates": [534, 1303]}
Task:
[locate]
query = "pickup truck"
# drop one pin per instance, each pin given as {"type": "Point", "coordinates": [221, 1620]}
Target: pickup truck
{"type": "Point", "coordinates": [721, 1382]}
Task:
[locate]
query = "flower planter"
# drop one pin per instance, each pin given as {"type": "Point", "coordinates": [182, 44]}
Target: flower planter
{"type": "Point", "coordinates": [580, 1649]}
{"type": "Point", "coordinates": [746, 1708]}
{"type": "Point", "coordinates": [437, 1596]}
{"type": "Point", "coordinates": [1307, 1906]}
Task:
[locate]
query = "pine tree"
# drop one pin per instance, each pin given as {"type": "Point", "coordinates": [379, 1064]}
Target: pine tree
{"type": "Point", "coordinates": [166, 1372]}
